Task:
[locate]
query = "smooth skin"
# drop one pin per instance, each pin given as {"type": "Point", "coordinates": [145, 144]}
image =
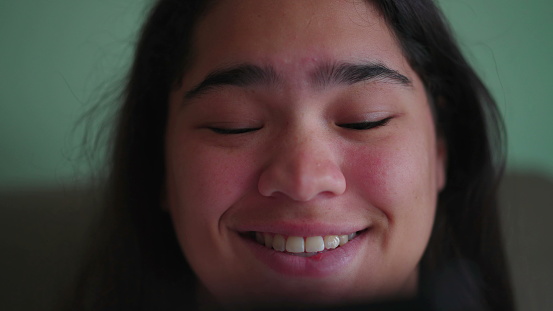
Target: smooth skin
{"type": "Point", "coordinates": [297, 153]}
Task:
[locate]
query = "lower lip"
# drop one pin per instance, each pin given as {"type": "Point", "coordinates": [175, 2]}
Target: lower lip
{"type": "Point", "coordinates": [319, 265]}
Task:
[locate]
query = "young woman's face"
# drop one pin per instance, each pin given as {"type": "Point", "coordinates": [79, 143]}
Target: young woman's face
{"type": "Point", "coordinates": [300, 123]}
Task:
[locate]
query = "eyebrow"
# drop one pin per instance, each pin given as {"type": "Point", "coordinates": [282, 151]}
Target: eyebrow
{"type": "Point", "coordinates": [241, 75]}
{"type": "Point", "coordinates": [347, 73]}
{"type": "Point", "coordinates": [326, 75]}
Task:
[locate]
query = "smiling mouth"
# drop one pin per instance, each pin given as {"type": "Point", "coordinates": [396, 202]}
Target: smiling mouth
{"type": "Point", "coordinates": [302, 246]}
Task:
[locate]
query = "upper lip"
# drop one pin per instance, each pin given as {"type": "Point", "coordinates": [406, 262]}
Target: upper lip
{"type": "Point", "coordinates": [302, 228]}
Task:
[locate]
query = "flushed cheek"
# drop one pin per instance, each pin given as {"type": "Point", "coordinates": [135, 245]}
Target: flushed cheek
{"type": "Point", "coordinates": [212, 178]}
{"type": "Point", "coordinates": [203, 186]}
{"type": "Point", "coordinates": [374, 175]}
{"type": "Point", "coordinates": [398, 168]}
{"type": "Point", "coordinates": [396, 180]}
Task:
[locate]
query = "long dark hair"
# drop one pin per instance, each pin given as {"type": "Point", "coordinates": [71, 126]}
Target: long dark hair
{"type": "Point", "coordinates": [136, 263]}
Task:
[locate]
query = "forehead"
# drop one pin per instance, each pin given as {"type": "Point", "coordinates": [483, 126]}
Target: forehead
{"type": "Point", "coordinates": [293, 36]}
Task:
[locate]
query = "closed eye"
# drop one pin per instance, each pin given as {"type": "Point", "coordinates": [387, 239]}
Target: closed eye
{"type": "Point", "coordinates": [233, 131]}
{"type": "Point", "coordinates": [366, 125]}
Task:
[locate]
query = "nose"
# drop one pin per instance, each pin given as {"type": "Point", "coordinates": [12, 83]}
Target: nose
{"type": "Point", "coordinates": [302, 169]}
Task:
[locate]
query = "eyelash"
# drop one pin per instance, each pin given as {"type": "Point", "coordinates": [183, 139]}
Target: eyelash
{"type": "Point", "coordinates": [363, 126]}
{"type": "Point", "coordinates": [358, 126]}
{"type": "Point", "coordinates": [233, 131]}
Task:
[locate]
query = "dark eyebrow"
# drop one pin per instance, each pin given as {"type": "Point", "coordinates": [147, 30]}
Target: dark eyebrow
{"type": "Point", "coordinates": [325, 75]}
{"type": "Point", "coordinates": [346, 73]}
{"type": "Point", "coordinates": [241, 75]}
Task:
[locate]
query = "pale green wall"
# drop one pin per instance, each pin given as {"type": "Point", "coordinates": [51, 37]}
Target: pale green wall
{"type": "Point", "coordinates": [57, 57]}
{"type": "Point", "coordinates": [510, 43]}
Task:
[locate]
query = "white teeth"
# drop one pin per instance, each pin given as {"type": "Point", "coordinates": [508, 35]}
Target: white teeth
{"type": "Point", "coordinates": [331, 241]}
{"type": "Point", "coordinates": [295, 244]}
{"type": "Point", "coordinates": [307, 246]}
{"type": "Point", "coordinates": [268, 240]}
{"type": "Point", "coordinates": [259, 238]}
{"type": "Point", "coordinates": [314, 244]}
{"type": "Point", "coordinates": [343, 239]}
{"type": "Point", "coordinates": [279, 243]}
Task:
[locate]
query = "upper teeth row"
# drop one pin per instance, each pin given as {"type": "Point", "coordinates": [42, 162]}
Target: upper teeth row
{"type": "Point", "coordinates": [298, 244]}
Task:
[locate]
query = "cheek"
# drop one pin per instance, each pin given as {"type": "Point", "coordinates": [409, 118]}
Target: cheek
{"type": "Point", "coordinates": [207, 182]}
{"type": "Point", "coordinates": [397, 181]}
{"type": "Point", "coordinates": [202, 186]}
{"type": "Point", "coordinates": [397, 178]}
